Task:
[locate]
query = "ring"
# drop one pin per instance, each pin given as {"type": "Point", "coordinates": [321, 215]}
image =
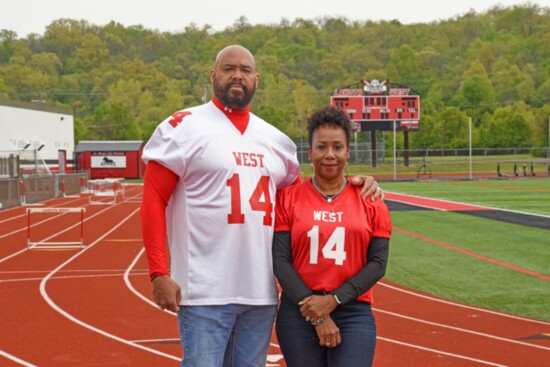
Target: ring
{"type": "Point", "coordinates": [378, 188]}
{"type": "Point", "coordinates": [327, 344]}
{"type": "Point", "coordinates": [307, 318]}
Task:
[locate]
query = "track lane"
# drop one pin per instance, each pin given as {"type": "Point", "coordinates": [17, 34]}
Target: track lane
{"type": "Point", "coordinates": [410, 317]}
{"type": "Point", "coordinates": [97, 277]}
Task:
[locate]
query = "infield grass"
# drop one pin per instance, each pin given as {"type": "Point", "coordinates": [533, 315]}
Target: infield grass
{"type": "Point", "coordinates": [425, 265]}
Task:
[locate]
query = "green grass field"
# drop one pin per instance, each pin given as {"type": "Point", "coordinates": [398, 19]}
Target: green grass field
{"type": "Point", "coordinates": [431, 268]}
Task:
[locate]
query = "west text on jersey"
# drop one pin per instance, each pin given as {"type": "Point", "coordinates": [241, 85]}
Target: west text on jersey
{"type": "Point", "coordinates": [249, 159]}
{"type": "Point", "coordinates": [326, 216]}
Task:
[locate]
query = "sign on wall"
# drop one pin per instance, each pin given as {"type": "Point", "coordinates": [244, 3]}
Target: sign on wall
{"type": "Point", "coordinates": [108, 160]}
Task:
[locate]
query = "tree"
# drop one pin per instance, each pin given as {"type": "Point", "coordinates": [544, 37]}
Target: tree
{"type": "Point", "coordinates": [510, 126]}
{"type": "Point", "coordinates": [510, 83]}
{"type": "Point", "coordinates": [6, 40]}
{"type": "Point", "coordinates": [91, 53]}
{"type": "Point", "coordinates": [115, 122]}
{"type": "Point", "coordinates": [477, 63]}
{"type": "Point", "coordinates": [304, 104]}
{"type": "Point", "coordinates": [63, 36]}
{"type": "Point", "coordinates": [403, 66]}
{"type": "Point", "coordinates": [476, 94]}
{"type": "Point", "coordinates": [449, 129]}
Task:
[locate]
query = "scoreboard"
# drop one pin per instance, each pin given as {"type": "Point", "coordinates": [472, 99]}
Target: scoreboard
{"type": "Point", "coordinates": [379, 112]}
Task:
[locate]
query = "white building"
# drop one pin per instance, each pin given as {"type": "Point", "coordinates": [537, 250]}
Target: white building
{"type": "Point", "coordinates": [26, 126]}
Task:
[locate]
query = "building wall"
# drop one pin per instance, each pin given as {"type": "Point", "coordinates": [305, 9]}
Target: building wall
{"type": "Point", "coordinates": [20, 125]}
{"type": "Point", "coordinates": [115, 164]}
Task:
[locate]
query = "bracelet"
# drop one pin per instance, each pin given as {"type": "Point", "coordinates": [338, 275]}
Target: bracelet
{"type": "Point", "coordinates": [320, 321]}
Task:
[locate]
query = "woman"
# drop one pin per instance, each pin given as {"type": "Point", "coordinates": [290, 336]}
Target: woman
{"type": "Point", "coordinates": [330, 248]}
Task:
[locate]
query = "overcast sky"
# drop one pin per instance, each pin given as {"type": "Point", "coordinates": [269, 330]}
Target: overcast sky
{"type": "Point", "coordinates": [32, 16]}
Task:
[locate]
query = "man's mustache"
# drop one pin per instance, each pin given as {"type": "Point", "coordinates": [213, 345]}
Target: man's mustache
{"type": "Point", "coordinates": [237, 84]}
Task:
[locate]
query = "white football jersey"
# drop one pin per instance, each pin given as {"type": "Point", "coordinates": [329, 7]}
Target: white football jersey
{"type": "Point", "coordinates": [220, 216]}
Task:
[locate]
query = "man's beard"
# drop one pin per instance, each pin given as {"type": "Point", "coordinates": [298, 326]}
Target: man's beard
{"type": "Point", "coordinates": [230, 100]}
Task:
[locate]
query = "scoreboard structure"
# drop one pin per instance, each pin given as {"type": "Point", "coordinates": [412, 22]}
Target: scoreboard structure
{"type": "Point", "coordinates": [376, 111]}
{"type": "Point", "coordinates": [373, 108]}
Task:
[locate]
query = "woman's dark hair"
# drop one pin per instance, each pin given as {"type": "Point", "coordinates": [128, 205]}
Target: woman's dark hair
{"type": "Point", "coordinates": [328, 115]}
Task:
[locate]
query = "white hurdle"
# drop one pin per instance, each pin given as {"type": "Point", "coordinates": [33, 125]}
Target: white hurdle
{"type": "Point", "coordinates": [55, 245]}
{"type": "Point", "coordinates": [105, 188]}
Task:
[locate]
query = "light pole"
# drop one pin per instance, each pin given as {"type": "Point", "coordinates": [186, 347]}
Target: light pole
{"type": "Point", "coordinates": [394, 154]}
{"type": "Point", "coordinates": [470, 144]}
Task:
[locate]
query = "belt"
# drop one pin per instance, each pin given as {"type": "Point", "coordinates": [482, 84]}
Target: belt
{"type": "Point", "coordinates": [320, 293]}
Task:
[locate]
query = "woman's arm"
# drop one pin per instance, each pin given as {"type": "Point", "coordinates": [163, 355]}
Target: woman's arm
{"type": "Point", "coordinates": [288, 277]}
{"type": "Point", "coordinates": [372, 272]}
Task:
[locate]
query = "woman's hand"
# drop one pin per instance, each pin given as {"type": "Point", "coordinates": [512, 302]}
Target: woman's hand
{"type": "Point", "coordinates": [328, 333]}
{"type": "Point", "coordinates": [314, 307]}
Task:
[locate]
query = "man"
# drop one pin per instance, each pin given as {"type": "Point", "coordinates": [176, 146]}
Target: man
{"type": "Point", "coordinates": [211, 178]}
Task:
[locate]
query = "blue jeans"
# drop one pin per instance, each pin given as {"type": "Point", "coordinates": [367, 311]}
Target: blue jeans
{"type": "Point", "coordinates": [300, 344]}
{"type": "Point", "coordinates": [225, 335]}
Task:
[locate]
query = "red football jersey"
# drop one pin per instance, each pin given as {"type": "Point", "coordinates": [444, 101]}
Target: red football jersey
{"type": "Point", "coordinates": [330, 239]}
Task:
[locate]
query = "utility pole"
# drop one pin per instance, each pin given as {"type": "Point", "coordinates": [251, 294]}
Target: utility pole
{"type": "Point", "coordinates": [204, 93]}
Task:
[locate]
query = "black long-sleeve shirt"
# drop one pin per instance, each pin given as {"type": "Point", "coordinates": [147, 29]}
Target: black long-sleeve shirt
{"type": "Point", "coordinates": [296, 289]}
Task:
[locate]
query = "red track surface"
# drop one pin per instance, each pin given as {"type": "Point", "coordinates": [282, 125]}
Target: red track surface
{"type": "Point", "coordinates": [91, 307]}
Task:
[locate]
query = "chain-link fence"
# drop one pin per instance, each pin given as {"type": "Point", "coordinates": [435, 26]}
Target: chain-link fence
{"type": "Point", "coordinates": [442, 163]}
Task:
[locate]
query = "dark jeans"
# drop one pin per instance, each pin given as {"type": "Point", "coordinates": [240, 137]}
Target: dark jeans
{"type": "Point", "coordinates": [300, 345]}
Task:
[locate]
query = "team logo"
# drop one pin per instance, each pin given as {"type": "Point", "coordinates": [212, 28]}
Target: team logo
{"type": "Point", "coordinates": [108, 162]}
{"type": "Point", "coordinates": [375, 86]}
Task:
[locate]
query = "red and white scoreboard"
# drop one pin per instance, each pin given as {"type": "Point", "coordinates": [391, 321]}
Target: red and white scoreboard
{"type": "Point", "coordinates": [379, 112]}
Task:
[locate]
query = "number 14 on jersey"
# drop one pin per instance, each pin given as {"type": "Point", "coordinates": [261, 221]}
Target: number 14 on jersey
{"type": "Point", "coordinates": [260, 200]}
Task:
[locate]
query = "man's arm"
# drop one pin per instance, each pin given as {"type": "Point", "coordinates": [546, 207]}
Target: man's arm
{"type": "Point", "coordinates": [158, 184]}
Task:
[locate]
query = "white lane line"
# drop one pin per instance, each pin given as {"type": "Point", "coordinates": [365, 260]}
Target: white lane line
{"type": "Point", "coordinates": [52, 304]}
{"type": "Point", "coordinates": [131, 287]}
{"type": "Point", "coordinates": [459, 203]}
{"type": "Point", "coordinates": [99, 271]}
{"type": "Point", "coordinates": [24, 215]}
{"type": "Point", "coordinates": [445, 326]}
{"type": "Point", "coordinates": [95, 276]}
{"type": "Point", "coordinates": [15, 359]}
{"type": "Point", "coordinates": [416, 294]}
{"type": "Point", "coordinates": [441, 352]}
{"type": "Point", "coordinates": [24, 250]}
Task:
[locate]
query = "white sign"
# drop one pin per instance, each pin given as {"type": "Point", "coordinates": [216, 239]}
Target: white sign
{"type": "Point", "coordinates": [108, 161]}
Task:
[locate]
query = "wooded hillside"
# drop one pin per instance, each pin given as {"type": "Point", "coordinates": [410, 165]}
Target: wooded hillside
{"type": "Point", "coordinates": [122, 81]}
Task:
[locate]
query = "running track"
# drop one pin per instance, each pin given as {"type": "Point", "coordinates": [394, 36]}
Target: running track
{"type": "Point", "coordinates": [91, 307]}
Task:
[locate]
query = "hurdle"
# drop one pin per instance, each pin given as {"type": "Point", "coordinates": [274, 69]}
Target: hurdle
{"type": "Point", "coordinates": [52, 244]}
{"type": "Point", "coordinates": [105, 188]}
{"type": "Point", "coordinates": [23, 197]}
{"type": "Point", "coordinates": [83, 185]}
{"type": "Point", "coordinates": [63, 192]}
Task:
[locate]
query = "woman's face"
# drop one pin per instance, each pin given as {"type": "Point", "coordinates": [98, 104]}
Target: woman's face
{"type": "Point", "coordinates": [329, 152]}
